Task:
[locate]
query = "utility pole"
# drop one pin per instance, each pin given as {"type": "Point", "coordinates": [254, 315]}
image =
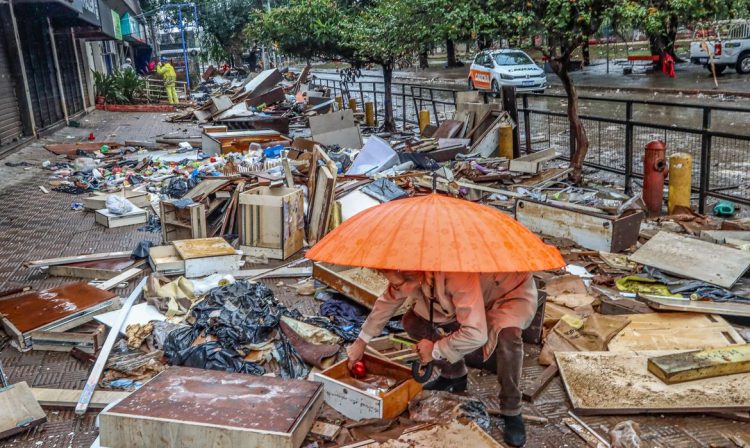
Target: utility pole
{"type": "Point", "coordinates": [263, 48]}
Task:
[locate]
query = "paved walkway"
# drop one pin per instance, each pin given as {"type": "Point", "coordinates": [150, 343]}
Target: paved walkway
{"type": "Point", "coordinates": [36, 225]}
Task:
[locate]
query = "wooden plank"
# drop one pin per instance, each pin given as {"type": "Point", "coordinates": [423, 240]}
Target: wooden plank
{"type": "Point", "coordinates": [68, 398]}
{"type": "Point", "coordinates": [320, 207]}
{"type": "Point", "coordinates": [607, 383]}
{"type": "Point", "coordinates": [77, 259]}
{"type": "Point", "coordinates": [101, 360]}
{"type": "Point", "coordinates": [122, 278]}
{"type": "Point", "coordinates": [530, 163]}
{"type": "Point", "coordinates": [287, 272]}
{"type": "Point", "coordinates": [674, 331]}
{"type": "Point", "coordinates": [19, 410]}
{"type": "Point", "coordinates": [695, 306]}
{"type": "Point", "coordinates": [690, 366]}
{"type": "Point", "coordinates": [94, 273]}
{"type": "Point", "coordinates": [547, 375]}
{"type": "Point", "coordinates": [693, 258]}
{"type": "Point", "coordinates": [325, 431]}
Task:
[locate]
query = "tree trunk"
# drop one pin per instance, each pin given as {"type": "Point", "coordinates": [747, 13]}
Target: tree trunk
{"type": "Point", "coordinates": [483, 41]}
{"type": "Point", "coordinates": [450, 50]}
{"type": "Point", "coordinates": [389, 124]}
{"type": "Point", "coordinates": [560, 67]}
{"type": "Point", "coordinates": [586, 53]}
{"type": "Point", "coordinates": [423, 60]}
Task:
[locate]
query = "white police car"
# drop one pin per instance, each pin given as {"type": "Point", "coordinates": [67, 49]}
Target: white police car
{"type": "Point", "coordinates": [508, 67]}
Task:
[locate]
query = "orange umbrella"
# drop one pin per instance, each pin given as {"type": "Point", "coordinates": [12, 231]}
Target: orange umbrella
{"type": "Point", "coordinates": [436, 233]}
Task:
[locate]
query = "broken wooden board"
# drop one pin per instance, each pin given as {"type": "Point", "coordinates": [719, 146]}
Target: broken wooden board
{"type": "Point", "coordinates": [674, 331]}
{"type": "Point", "coordinates": [95, 270]}
{"type": "Point", "coordinates": [695, 306]}
{"type": "Point", "coordinates": [362, 285]}
{"type": "Point", "coordinates": [70, 149]}
{"type": "Point", "coordinates": [19, 410]}
{"type": "Point", "coordinates": [693, 258]}
{"type": "Point", "coordinates": [323, 196]}
{"type": "Point", "coordinates": [729, 237]}
{"type": "Point", "coordinates": [451, 434]}
{"type": "Point", "coordinates": [68, 398]}
{"type": "Point", "coordinates": [77, 259]}
{"type": "Point", "coordinates": [603, 383]}
{"type": "Point", "coordinates": [699, 364]}
{"type": "Point", "coordinates": [530, 163]}
{"type": "Point", "coordinates": [203, 247]}
{"type": "Point", "coordinates": [235, 410]}
{"type": "Point", "coordinates": [56, 309]}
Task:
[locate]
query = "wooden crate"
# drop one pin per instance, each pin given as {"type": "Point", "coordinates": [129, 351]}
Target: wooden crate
{"type": "Point", "coordinates": [98, 200]}
{"type": "Point", "coordinates": [357, 404]}
{"type": "Point", "coordinates": [110, 220]}
{"type": "Point", "coordinates": [363, 292]}
{"type": "Point", "coordinates": [186, 407]}
{"type": "Point", "coordinates": [182, 223]}
{"type": "Point", "coordinates": [272, 222]}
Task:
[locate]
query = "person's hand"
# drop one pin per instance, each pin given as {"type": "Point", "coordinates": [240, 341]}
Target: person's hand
{"type": "Point", "coordinates": [424, 350]}
{"type": "Point", "coordinates": [355, 352]}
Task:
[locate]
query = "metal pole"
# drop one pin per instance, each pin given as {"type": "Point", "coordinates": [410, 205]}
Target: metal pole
{"type": "Point", "coordinates": [57, 70]}
{"type": "Point", "coordinates": [22, 63]}
{"type": "Point", "coordinates": [629, 148]}
{"type": "Point", "coordinates": [79, 64]}
{"type": "Point", "coordinates": [196, 31]}
{"type": "Point", "coordinates": [184, 49]}
{"type": "Point", "coordinates": [705, 170]}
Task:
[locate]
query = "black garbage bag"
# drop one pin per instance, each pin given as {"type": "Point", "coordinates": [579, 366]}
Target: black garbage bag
{"type": "Point", "coordinates": [179, 186]}
{"type": "Point", "coordinates": [213, 356]}
{"type": "Point", "coordinates": [236, 315]}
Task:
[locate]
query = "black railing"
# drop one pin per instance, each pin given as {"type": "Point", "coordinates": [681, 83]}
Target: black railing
{"type": "Point", "coordinates": [718, 137]}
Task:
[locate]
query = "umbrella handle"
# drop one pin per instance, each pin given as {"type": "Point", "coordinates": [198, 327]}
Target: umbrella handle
{"type": "Point", "coordinates": [421, 377]}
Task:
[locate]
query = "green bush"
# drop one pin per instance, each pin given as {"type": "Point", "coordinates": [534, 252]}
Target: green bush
{"type": "Point", "coordinates": [119, 87]}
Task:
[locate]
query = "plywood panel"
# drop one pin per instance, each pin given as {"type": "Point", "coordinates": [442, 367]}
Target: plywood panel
{"type": "Point", "coordinates": [674, 331]}
{"type": "Point", "coordinates": [33, 310]}
{"type": "Point", "coordinates": [620, 383]}
{"type": "Point", "coordinates": [688, 366]}
{"type": "Point", "coordinates": [692, 258]}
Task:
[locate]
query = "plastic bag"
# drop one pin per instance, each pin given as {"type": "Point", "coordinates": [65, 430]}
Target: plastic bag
{"type": "Point", "coordinates": [435, 406]}
{"type": "Point", "coordinates": [206, 284]}
{"type": "Point", "coordinates": [141, 249]}
{"type": "Point", "coordinates": [118, 205]}
{"type": "Point", "coordinates": [84, 164]}
{"type": "Point", "coordinates": [625, 435]}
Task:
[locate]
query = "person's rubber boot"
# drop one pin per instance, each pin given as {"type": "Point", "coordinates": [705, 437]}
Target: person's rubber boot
{"type": "Point", "coordinates": [515, 430]}
{"type": "Point", "coordinates": [447, 384]}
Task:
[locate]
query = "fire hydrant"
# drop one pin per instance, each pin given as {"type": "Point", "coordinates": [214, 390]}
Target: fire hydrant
{"type": "Point", "coordinates": [655, 171]}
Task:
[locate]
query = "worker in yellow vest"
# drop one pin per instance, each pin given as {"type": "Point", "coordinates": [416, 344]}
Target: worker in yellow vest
{"type": "Point", "coordinates": [165, 69]}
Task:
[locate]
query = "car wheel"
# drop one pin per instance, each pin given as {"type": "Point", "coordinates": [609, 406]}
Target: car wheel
{"type": "Point", "coordinates": [471, 85]}
{"type": "Point", "coordinates": [496, 89]}
{"type": "Point", "coordinates": [719, 68]}
{"type": "Point", "coordinates": [743, 64]}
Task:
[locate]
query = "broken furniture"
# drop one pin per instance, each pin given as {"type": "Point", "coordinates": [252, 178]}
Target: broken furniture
{"type": "Point", "coordinates": [595, 231]}
{"type": "Point", "coordinates": [219, 140]}
{"type": "Point", "coordinates": [272, 222]}
{"type": "Point", "coordinates": [111, 220]}
{"type": "Point", "coordinates": [362, 285]}
{"type": "Point", "coordinates": [53, 311]}
{"type": "Point", "coordinates": [182, 223]}
{"type": "Point", "coordinates": [196, 408]}
{"type": "Point", "coordinates": [346, 394]}
{"type": "Point", "coordinates": [195, 258]}
{"type": "Point", "coordinates": [321, 193]}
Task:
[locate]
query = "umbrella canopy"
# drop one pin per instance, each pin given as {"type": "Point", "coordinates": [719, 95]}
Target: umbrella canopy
{"type": "Point", "coordinates": [436, 233]}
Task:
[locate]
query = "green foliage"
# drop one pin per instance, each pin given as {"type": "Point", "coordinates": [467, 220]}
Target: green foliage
{"type": "Point", "coordinates": [305, 28]}
{"type": "Point", "coordinates": [119, 87]}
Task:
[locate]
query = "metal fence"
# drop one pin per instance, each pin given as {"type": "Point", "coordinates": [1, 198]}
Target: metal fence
{"type": "Point", "coordinates": [718, 137]}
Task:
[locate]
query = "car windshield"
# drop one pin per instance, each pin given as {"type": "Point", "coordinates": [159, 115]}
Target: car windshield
{"type": "Point", "coordinates": [512, 58]}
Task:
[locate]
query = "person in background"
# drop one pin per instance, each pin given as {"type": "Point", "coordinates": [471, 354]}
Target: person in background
{"type": "Point", "coordinates": [127, 65]}
{"type": "Point", "coordinates": [151, 65]}
{"type": "Point", "coordinates": [477, 320]}
{"type": "Point", "coordinates": [165, 69]}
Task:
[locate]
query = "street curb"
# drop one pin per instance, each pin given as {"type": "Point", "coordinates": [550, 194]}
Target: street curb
{"type": "Point", "coordinates": [136, 107]}
{"type": "Point", "coordinates": [667, 90]}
